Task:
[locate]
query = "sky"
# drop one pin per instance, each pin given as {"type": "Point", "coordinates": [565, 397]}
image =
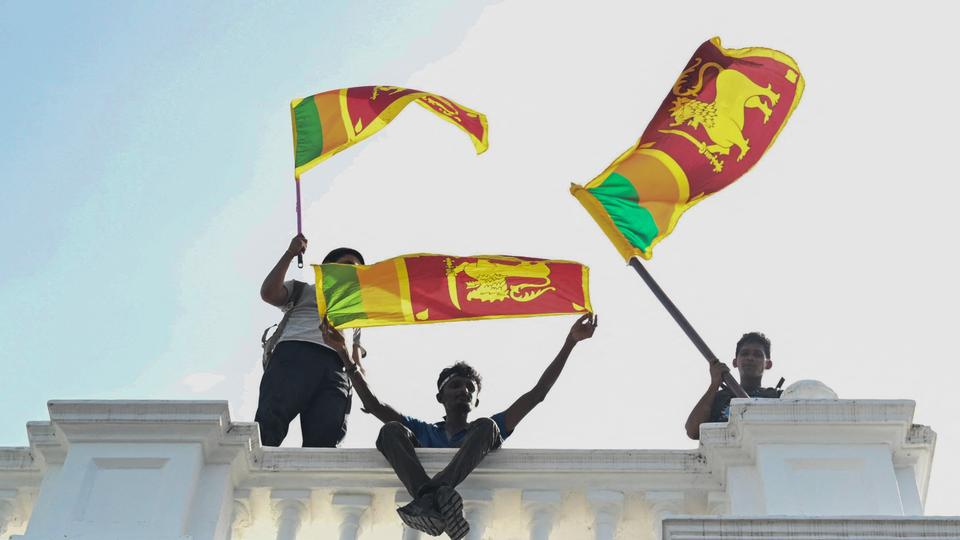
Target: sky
{"type": "Point", "coordinates": [146, 168]}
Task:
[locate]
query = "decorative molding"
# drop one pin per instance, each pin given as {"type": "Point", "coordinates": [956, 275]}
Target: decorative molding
{"type": "Point", "coordinates": [17, 460]}
{"type": "Point", "coordinates": [45, 443]}
{"type": "Point", "coordinates": [541, 506]}
{"type": "Point", "coordinates": [780, 528]}
{"type": "Point", "coordinates": [477, 508]}
{"type": "Point", "coordinates": [607, 507]}
{"type": "Point", "coordinates": [351, 508]}
{"type": "Point", "coordinates": [506, 461]}
{"type": "Point", "coordinates": [557, 490]}
{"type": "Point", "coordinates": [920, 435]}
{"type": "Point", "coordinates": [757, 422]}
{"type": "Point", "coordinates": [19, 469]}
{"type": "Point", "coordinates": [291, 507]}
{"type": "Point", "coordinates": [833, 411]}
{"type": "Point", "coordinates": [99, 421]}
{"type": "Point", "coordinates": [242, 516]}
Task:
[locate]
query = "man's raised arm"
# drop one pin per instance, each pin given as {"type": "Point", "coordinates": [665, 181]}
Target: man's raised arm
{"type": "Point", "coordinates": [581, 330]}
{"type": "Point", "coordinates": [272, 290]}
{"type": "Point", "coordinates": [371, 404]}
{"type": "Point", "coordinates": [701, 411]}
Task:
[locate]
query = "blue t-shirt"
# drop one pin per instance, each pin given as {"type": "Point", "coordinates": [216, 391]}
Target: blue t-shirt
{"type": "Point", "coordinates": [435, 435]}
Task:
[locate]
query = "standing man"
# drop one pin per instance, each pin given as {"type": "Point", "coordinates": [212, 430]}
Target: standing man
{"type": "Point", "coordinates": [304, 376]}
{"type": "Point", "coordinates": [437, 507]}
{"type": "Point", "coordinates": [752, 358]}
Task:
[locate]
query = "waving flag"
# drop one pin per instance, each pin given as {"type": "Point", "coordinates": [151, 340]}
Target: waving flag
{"type": "Point", "coordinates": [726, 108]}
{"type": "Point", "coordinates": [414, 289]}
{"type": "Point", "coordinates": [326, 123]}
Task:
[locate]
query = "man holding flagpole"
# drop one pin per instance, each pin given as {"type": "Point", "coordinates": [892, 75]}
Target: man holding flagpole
{"type": "Point", "coordinates": [752, 359]}
{"type": "Point", "coordinates": [304, 375]}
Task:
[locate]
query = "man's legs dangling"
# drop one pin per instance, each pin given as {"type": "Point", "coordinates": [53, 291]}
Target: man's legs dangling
{"type": "Point", "coordinates": [397, 444]}
{"type": "Point", "coordinates": [483, 436]}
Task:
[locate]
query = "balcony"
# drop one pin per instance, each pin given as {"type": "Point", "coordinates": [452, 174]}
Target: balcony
{"type": "Point", "coordinates": [161, 470]}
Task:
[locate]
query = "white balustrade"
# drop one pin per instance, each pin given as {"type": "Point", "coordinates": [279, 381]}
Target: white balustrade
{"type": "Point", "coordinates": [477, 505]}
{"type": "Point", "coordinates": [351, 507]}
{"type": "Point", "coordinates": [607, 507]}
{"type": "Point", "coordinates": [542, 507]}
{"type": "Point", "coordinates": [290, 507]}
{"type": "Point", "coordinates": [145, 470]}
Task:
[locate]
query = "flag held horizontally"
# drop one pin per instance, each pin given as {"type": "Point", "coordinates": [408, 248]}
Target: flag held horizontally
{"type": "Point", "coordinates": [425, 288]}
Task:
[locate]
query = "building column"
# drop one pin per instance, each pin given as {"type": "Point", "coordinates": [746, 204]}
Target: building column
{"type": "Point", "coordinates": [476, 508]}
{"type": "Point", "coordinates": [402, 499]}
{"type": "Point", "coordinates": [542, 507]}
{"type": "Point", "coordinates": [291, 507]}
{"type": "Point", "coordinates": [351, 507]}
{"type": "Point", "coordinates": [607, 507]}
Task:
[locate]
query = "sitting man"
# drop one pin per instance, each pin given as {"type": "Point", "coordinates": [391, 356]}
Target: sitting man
{"type": "Point", "coordinates": [752, 359]}
{"type": "Point", "coordinates": [437, 507]}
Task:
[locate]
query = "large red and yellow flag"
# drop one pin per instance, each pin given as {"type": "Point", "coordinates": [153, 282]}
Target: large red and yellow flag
{"type": "Point", "coordinates": [414, 289]}
{"type": "Point", "coordinates": [726, 108]}
{"type": "Point", "coordinates": [326, 123]}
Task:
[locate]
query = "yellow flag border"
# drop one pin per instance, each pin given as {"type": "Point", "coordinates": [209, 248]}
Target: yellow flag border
{"type": "Point", "coordinates": [599, 213]}
{"type": "Point", "coordinates": [407, 308]}
{"type": "Point", "coordinates": [384, 118]}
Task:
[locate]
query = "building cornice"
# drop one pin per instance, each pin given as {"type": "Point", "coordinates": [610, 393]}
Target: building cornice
{"type": "Point", "coordinates": [805, 528]}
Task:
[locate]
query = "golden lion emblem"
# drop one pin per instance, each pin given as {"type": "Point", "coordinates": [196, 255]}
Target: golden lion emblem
{"type": "Point", "coordinates": [722, 118]}
{"type": "Point", "coordinates": [489, 281]}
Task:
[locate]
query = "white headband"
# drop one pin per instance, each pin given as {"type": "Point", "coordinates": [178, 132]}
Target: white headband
{"type": "Point", "coordinates": [445, 381]}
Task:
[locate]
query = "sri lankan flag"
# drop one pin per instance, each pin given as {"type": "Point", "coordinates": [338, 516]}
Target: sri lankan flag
{"type": "Point", "coordinates": [414, 289]}
{"type": "Point", "coordinates": [726, 108]}
{"type": "Point", "coordinates": [326, 123]}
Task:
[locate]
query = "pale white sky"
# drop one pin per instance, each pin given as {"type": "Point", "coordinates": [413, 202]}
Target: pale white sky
{"type": "Point", "coordinates": [839, 244]}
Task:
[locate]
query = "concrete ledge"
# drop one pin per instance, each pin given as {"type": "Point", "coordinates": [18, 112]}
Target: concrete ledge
{"type": "Point", "coordinates": [770, 528]}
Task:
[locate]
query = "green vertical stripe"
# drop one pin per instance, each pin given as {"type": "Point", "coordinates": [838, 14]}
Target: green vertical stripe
{"type": "Point", "coordinates": [309, 132]}
{"type": "Point", "coordinates": [621, 201]}
{"type": "Point", "coordinates": [341, 289]}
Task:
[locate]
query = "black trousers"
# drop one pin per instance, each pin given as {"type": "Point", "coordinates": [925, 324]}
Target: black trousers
{"type": "Point", "coordinates": [396, 442]}
{"type": "Point", "coordinates": [306, 379]}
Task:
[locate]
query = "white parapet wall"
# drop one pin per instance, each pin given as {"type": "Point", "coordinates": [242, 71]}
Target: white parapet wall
{"type": "Point", "coordinates": [162, 470]}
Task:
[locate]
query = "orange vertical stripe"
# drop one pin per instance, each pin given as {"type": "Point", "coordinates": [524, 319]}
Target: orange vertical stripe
{"type": "Point", "coordinates": [331, 119]}
{"type": "Point", "coordinates": [380, 290]}
{"type": "Point", "coordinates": [656, 187]}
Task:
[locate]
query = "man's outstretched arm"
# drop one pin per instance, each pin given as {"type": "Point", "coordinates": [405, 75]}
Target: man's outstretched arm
{"type": "Point", "coordinates": [272, 290]}
{"type": "Point", "coordinates": [581, 330]}
{"type": "Point", "coordinates": [371, 404]}
{"type": "Point", "coordinates": [701, 411]}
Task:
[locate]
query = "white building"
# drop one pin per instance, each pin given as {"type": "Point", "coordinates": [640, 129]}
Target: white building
{"type": "Point", "coordinates": [161, 470]}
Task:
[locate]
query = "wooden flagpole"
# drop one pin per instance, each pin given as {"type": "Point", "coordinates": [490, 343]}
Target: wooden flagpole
{"type": "Point", "coordinates": [728, 379]}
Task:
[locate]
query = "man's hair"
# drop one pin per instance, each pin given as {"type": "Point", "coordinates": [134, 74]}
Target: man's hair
{"type": "Point", "coordinates": [340, 252]}
{"type": "Point", "coordinates": [461, 369]}
{"type": "Point", "coordinates": [755, 337]}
